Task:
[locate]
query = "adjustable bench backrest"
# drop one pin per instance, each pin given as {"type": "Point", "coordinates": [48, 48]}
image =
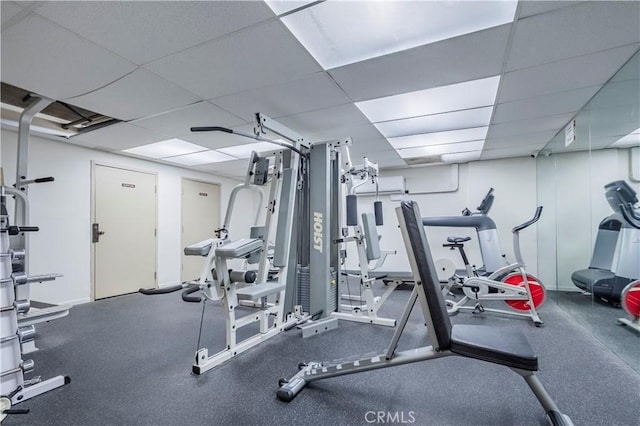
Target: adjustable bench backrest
{"type": "Point", "coordinates": [429, 291]}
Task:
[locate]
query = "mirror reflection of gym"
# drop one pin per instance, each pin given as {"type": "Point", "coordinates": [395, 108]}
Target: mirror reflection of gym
{"type": "Point", "coordinates": [588, 180]}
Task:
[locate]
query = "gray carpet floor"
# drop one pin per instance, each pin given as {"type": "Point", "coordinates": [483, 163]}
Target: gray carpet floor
{"type": "Point", "coordinates": [129, 359]}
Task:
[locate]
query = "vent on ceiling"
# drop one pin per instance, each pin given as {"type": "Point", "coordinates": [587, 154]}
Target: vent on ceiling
{"type": "Point", "coordinates": [432, 159]}
{"type": "Point", "coordinates": [57, 119]}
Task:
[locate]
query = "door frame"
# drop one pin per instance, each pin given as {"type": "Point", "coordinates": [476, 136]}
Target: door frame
{"type": "Point", "coordinates": [220, 216]}
{"type": "Point", "coordinates": [92, 218]}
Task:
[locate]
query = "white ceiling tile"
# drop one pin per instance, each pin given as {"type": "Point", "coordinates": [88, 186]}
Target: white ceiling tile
{"type": "Point", "coordinates": [142, 31]}
{"type": "Point", "coordinates": [555, 103]}
{"type": "Point", "coordinates": [573, 31]}
{"type": "Point", "coordinates": [528, 139]}
{"type": "Point", "coordinates": [360, 134]}
{"type": "Point", "coordinates": [8, 10]}
{"type": "Point", "coordinates": [560, 76]}
{"type": "Point", "coordinates": [463, 58]}
{"type": "Point", "coordinates": [513, 128]}
{"type": "Point", "coordinates": [42, 57]}
{"type": "Point", "coordinates": [309, 93]}
{"type": "Point", "coordinates": [180, 121]}
{"type": "Point", "coordinates": [368, 147]}
{"type": "Point", "coordinates": [534, 7]}
{"type": "Point", "coordinates": [117, 137]}
{"type": "Point", "coordinates": [139, 94]}
{"type": "Point", "coordinates": [328, 118]}
{"type": "Point", "coordinates": [259, 56]}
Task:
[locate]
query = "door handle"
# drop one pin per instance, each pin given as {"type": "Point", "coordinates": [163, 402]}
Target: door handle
{"type": "Point", "coordinates": [96, 232]}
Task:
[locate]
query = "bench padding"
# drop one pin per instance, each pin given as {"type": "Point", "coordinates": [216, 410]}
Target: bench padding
{"type": "Point", "coordinates": [500, 346]}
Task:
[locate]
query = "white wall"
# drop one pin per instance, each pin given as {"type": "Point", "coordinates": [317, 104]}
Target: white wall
{"type": "Point", "coordinates": [514, 181]}
{"type": "Point", "coordinates": [62, 211]}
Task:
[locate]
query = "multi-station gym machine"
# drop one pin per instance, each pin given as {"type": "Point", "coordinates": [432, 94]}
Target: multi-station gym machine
{"type": "Point", "coordinates": [17, 315]}
{"type": "Point", "coordinates": [298, 247]}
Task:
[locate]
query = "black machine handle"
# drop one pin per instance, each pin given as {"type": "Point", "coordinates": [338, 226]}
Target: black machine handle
{"type": "Point", "coordinates": [186, 294]}
{"type": "Point", "coordinates": [44, 179]}
{"type": "Point", "coordinates": [211, 129]}
{"type": "Point", "coordinates": [96, 232]}
{"type": "Point", "coordinates": [528, 223]}
{"type": "Point", "coordinates": [164, 290]}
{"type": "Point", "coordinates": [15, 230]}
{"type": "Point", "coordinates": [630, 215]}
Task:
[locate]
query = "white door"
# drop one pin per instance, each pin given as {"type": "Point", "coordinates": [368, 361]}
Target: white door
{"type": "Point", "coordinates": [200, 217]}
{"type": "Point", "coordinates": [123, 231]}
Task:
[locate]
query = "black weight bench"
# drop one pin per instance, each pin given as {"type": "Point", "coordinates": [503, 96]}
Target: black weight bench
{"type": "Point", "coordinates": [494, 345]}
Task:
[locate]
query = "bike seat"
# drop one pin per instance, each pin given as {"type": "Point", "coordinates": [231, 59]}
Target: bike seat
{"type": "Point", "coordinates": [458, 240]}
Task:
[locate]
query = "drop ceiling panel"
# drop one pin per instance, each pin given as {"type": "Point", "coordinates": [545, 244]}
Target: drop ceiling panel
{"type": "Point", "coordinates": [117, 137]}
{"type": "Point", "coordinates": [8, 10]}
{"type": "Point", "coordinates": [143, 31]}
{"type": "Point", "coordinates": [324, 119]}
{"type": "Point", "coordinates": [463, 58]}
{"type": "Point", "coordinates": [309, 93]}
{"type": "Point", "coordinates": [573, 31]}
{"type": "Point", "coordinates": [179, 122]}
{"type": "Point", "coordinates": [262, 55]}
{"type": "Point", "coordinates": [361, 134]}
{"type": "Point", "coordinates": [560, 76]}
{"type": "Point", "coordinates": [522, 140]}
{"type": "Point", "coordinates": [42, 57]}
{"type": "Point", "coordinates": [532, 7]}
{"type": "Point", "coordinates": [139, 94]}
{"type": "Point", "coordinates": [555, 103]}
{"type": "Point", "coordinates": [513, 128]}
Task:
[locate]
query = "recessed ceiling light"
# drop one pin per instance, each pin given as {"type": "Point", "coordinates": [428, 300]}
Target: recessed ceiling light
{"type": "Point", "coordinates": [337, 33]}
{"type": "Point", "coordinates": [244, 151]}
{"type": "Point", "coordinates": [439, 138]}
{"type": "Point", "coordinates": [476, 117]}
{"type": "Point", "coordinates": [198, 158]}
{"type": "Point", "coordinates": [453, 97]}
{"type": "Point", "coordinates": [426, 151]}
{"type": "Point", "coordinates": [168, 148]}
{"type": "Point", "coordinates": [283, 6]}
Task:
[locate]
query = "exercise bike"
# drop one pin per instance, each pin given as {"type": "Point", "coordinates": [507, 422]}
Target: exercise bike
{"type": "Point", "coordinates": [630, 297]}
{"type": "Point", "coordinates": [522, 292]}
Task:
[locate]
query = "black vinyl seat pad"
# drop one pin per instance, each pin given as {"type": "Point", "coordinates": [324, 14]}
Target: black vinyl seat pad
{"type": "Point", "coordinates": [506, 347]}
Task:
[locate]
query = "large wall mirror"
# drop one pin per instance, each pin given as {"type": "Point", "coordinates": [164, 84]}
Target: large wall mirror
{"type": "Point", "coordinates": [598, 151]}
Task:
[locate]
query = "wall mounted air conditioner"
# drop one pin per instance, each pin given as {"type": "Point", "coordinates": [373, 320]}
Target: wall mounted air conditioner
{"type": "Point", "coordinates": [387, 185]}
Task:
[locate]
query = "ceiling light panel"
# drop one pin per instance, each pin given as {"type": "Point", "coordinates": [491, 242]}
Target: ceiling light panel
{"type": "Point", "coordinates": [453, 97]}
{"type": "Point", "coordinates": [632, 139]}
{"type": "Point", "coordinates": [427, 151]}
{"type": "Point", "coordinates": [283, 6]}
{"type": "Point", "coordinates": [168, 148]}
{"type": "Point", "coordinates": [340, 33]}
{"type": "Point", "coordinates": [461, 157]}
{"type": "Point", "coordinates": [244, 151]}
{"type": "Point", "coordinates": [199, 158]}
{"type": "Point", "coordinates": [439, 138]}
{"type": "Point", "coordinates": [476, 117]}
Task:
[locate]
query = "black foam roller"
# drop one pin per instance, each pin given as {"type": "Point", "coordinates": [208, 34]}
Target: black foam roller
{"type": "Point", "coordinates": [377, 211]}
{"type": "Point", "coordinates": [352, 210]}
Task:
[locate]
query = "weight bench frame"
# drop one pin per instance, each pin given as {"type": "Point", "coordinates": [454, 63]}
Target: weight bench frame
{"type": "Point", "coordinates": [503, 347]}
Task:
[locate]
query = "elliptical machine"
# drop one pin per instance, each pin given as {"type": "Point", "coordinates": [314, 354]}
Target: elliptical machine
{"type": "Point", "coordinates": [614, 263]}
{"type": "Point", "coordinates": [486, 231]}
